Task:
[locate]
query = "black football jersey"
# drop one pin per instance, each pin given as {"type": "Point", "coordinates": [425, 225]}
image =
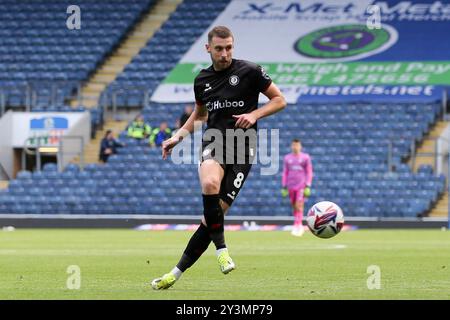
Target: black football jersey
{"type": "Point", "coordinates": [229, 92]}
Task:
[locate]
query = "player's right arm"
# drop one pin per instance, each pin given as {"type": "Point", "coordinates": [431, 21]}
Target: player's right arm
{"type": "Point", "coordinates": [199, 115]}
{"type": "Point", "coordinates": [284, 190]}
{"type": "Point", "coordinates": [309, 177]}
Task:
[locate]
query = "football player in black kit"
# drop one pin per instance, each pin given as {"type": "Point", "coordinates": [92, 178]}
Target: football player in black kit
{"type": "Point", "coordinates": [226, 97]}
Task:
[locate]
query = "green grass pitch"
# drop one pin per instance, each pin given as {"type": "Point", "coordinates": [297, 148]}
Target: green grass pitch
{"type": "Point", "coordinates": [119, 264]}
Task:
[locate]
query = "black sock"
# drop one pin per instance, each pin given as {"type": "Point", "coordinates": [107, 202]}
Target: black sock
{"type": "Point", "coordinates": [214, 219]}
{"type": "Point", "coordinates": [198, 244]}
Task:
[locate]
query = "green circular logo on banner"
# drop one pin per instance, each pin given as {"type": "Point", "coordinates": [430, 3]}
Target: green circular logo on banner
{"type": "Point", "coordinates": [345, 41]}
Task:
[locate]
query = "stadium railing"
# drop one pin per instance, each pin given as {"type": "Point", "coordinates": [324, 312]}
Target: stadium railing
{"type": "Point", "coordinates": [110, 99]}
{"type": "Point", "coordinates": [28, 95]}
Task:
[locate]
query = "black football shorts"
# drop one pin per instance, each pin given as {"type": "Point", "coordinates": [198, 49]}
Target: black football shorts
{"type": "Point", "coordinates": [235, 163]}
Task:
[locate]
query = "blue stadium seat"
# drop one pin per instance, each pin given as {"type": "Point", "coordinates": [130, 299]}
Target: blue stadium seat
{"type": "Point", "coordinates": [348, 142]}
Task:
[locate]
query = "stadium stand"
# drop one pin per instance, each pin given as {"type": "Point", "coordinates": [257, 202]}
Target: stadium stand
{"type": "Point", "coordinates": [163, 51]}
{"type": "Point", "coordinates": [43, 60]}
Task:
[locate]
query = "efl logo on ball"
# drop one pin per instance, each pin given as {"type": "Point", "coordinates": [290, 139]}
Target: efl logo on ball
{"type": "Point", "coordinates": [325, 219]}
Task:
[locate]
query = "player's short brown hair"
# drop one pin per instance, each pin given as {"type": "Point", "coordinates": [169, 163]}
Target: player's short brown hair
{"type": "Point", "coordinates": [221, 32]}
{"type": "Point", "coordinates": [296, 140]}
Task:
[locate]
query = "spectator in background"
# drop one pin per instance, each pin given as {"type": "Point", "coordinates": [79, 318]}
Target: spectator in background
{"type": "Point", "coordinates": [139, 129]}
{"type": "Point", "coordinates": [187, 113]}
{"type": "Point", "coordinates": [108, 146]}
{"type": "Point", "coordinates": [160, 134]}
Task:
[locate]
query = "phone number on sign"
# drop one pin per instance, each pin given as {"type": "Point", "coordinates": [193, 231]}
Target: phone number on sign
{"type": "Point", "coordinates": [387, 78]}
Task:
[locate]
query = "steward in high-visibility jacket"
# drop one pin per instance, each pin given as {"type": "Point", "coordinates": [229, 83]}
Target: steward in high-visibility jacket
{"type": "Point", "coordinates": [160, 134]}
{"type": "Point", "coordinates": [138, 129]}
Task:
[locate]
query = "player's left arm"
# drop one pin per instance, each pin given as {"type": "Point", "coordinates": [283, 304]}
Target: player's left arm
{"type": "Point", "coordinates": [309, 172]}
{"type": "Point", "coordinates": [276, 103]}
